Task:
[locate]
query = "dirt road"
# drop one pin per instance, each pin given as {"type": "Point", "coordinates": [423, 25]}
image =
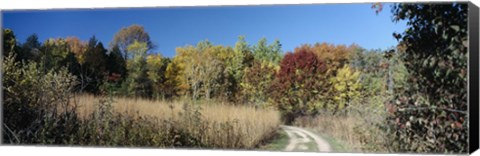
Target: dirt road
{"type": "Point", "coordinates": [303, 140]}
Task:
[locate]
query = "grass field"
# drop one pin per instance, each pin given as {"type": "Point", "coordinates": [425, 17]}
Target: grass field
{"type": "Point", "coordinates": [222, 124]}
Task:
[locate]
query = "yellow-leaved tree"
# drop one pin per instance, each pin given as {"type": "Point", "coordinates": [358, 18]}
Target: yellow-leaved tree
{"type": "Point", "coordinates": [346, 86]}
{"type": "Point", "coordinates": [156, 69]}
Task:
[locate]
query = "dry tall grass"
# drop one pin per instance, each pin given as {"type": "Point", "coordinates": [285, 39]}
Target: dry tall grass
{"type": "Point", "coordinates": [359, 131]}
{"type": "Point", "coordinates": [339, 127]}
{"type": "Point", "coordinates": [249, 125]}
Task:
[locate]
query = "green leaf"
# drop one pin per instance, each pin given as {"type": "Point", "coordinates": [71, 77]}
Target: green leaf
{"type": "Point", "coordinates": [455, 27]}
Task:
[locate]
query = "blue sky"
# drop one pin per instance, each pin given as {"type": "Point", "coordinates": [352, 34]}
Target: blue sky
{"type": "Point", "coordinates": [171, 27]}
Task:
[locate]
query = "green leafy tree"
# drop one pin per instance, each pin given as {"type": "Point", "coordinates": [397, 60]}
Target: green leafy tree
{"type": "Point", "coordinates": [242, 58]}
{"type": "Point", "coordinates": [115, 74]}
{"type": "Point", "coordinates": [10, 45]}
{"type": "Point", "coordinates": [156, 68]}
{"type": "Point", "coordinates": [398, 72]}
{"type": "Point", "coordinates": [372, 77]}
{"type": "Point", "coordinates": [116, 65]}
{"type": "Point", "coordinates": [94, 68]}
{"type": "Point", "coordinates": [31, 48]}
{"type": "Point", "coordinates": [270, 53]}
{"type": "Point", "coordinates": [55, 54]}
{"type": "Point", "coordinates": [137, 81]}
{"type": "Point", "coordinates": [430, 115]}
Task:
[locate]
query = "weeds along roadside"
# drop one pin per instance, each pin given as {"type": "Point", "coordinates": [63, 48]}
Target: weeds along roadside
{"type": "Point", "coordinates": [362, 129]}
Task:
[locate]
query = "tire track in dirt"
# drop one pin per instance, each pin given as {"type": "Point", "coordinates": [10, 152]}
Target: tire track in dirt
{"type": "Point", "coordinates": [300, 137]}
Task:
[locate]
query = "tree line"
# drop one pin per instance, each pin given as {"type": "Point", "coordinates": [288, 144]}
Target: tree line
{"type": "Point", "coordinates": [314, 77]}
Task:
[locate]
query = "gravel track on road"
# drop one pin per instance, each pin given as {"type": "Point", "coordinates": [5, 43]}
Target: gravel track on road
{"type": "Point", "coordinates": [299, 137]}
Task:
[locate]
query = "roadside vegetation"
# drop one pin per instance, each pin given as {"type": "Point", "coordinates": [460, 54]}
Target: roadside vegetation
{"type": "Point", "coordinates": [408, 98]}
{"type": "Point", "coordinates": [278, 142]}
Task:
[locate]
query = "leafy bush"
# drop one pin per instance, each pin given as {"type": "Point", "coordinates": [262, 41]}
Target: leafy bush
{"type": "Point", "coordinates": [137, 83]}
{"type": "Point", "coordinates": [37, 106]}
{"type": "Point", "coordinates": [429, 115]}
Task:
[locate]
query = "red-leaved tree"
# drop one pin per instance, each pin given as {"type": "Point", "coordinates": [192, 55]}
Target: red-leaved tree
{"type": "Point", "coordinates": [299, 84]}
